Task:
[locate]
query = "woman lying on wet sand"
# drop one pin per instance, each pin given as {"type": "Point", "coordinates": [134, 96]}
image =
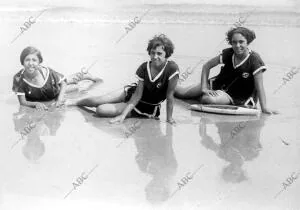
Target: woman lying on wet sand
{"type": "Point", "coordinates": [35, 83]}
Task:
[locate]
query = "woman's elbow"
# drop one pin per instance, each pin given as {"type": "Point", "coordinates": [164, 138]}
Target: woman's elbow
{"type": "Point", "coordinates": [206, 67]}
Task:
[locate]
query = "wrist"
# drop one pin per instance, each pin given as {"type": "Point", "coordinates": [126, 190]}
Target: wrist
{"type": "Point", "coordinates": [35, 105]}
{"type": "Point", "coordinates": [203, 89]}
{"type": "Point", "coordinates": [123, 114]}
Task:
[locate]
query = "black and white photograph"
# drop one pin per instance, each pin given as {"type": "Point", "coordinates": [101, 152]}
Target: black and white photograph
{"type": "Point", "coordinates": [150, 105]}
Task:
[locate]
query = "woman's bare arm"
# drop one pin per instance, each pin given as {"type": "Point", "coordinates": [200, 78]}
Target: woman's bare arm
{"type": "Point", "coordinates": [61, 94]}
{"type": "Point", "coordinates": [136, 97]}
{"type": "Point", "coordinates": [205, 72]}
{"type": "Point", "coordinates": [258, 81]}
{"type": "Point", "coordinates": [24, 102]}
{"type": "Point", "coordinates": [170, 98]}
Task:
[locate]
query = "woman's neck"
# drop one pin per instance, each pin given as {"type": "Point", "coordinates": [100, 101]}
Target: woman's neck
{"type": "Point", "coordinates": [242, 56]}
{"type": "Point", "coordinates": [30, 76]}
{"type": "Point", "coordinates": [160, 67]}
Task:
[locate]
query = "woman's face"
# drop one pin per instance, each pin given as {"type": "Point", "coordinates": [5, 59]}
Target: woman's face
{"type": "Point", "coordinates": [158, 56]}
{"type": "Point", "coordinates": [31, 62]}
{"type": "Point", "coordinates": [239, 44]}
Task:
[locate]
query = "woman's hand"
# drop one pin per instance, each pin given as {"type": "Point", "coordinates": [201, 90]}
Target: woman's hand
{"type": "Point", "coordinates": [258, 81]}
{"type": "Point", "coordinates": [269, 111]}
{"type": "Point", "coordinates": [117, 119]}
{"type": "Point", "coordinates": [60, 99]}
{"type": "Point", "coordinates": [41, 106]}
{"type": "Point", "coordinates": [210, 92]}
{"type": "Point", "coordinates": [60, 103]}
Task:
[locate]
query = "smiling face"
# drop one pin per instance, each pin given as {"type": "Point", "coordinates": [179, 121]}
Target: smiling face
{"type": "Point", "coordinates": [31, 62]}
{"type": "Point", "coordinates": [239, 44]}
{"type": "Point", "coordinates": [158, 56]}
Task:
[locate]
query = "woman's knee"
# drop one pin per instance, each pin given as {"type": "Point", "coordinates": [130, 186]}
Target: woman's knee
{"type": "Point", "coordinates": [220, 99]}
{"type": "Point", "coordinates": [189, 92]}
{"type": "Point", "coordinates": [207, 99]}
{"type": "Point", "coordinates": [179, 92]}
{"type": "Point", "coordinates": [109, 110]}
{"type": "Point", "coordinates": [101, 110]}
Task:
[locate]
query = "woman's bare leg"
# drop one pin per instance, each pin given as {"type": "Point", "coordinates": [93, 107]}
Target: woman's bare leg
{"type": "Point", "coordinates": [190, 92]}
{"type": "Point", "coordinates": [94, 101]}
{"type": "Point", "coordinates": [71, 88]}
{"type": "Point", "coordinates": [74, 79]}
{"type": "Point", "coordinates": [88, 76]}
{"type": "Point", "coordinates": [222, 98]}
{"type": "Point", "coordinates": [110, 110]}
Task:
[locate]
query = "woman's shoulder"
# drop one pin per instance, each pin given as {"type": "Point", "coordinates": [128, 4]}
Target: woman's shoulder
{"type": "Point", "coordinates": [144, 65]}
{"type": "Point", "coordinates": [228, 51]}
{"type": "Point", "coordinates": [49, 71]}
{"type": "Point", "coordinates": [226, 55]}
{"type": "Point", "coordinates": [172, 64]}
{"type": "Point", "coordinates": [255, 57]}
{"type": "Point", "coordinates": [255, 54]}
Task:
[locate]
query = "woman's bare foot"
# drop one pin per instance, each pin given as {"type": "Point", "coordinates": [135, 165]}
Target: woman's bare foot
{"type": "Point", "coordinates": [88, 76]}
{"type": "Point", "coordinates": [83, 75]}
{"type": "Point", "coordinates": [70, 102]}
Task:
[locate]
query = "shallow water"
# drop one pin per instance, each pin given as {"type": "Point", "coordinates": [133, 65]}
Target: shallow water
{"type": "Point", "coordinates": [142, 167]}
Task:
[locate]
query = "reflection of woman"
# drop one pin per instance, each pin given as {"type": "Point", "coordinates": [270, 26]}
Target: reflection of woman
{"type": "Point", "coordinates": [156, 157]}
{"type": "Point", "coordinates": [243, 146]}
{"type": "Point", "coordinates": [240, 78]}
{"type": "Point", "coordinates": [33, 125]}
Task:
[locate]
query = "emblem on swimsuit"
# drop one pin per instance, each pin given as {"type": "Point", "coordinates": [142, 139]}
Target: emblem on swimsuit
{"type": "Point", "coordinates": [158, 85]}
{"type": "Point", "coordinates": [245, 75]}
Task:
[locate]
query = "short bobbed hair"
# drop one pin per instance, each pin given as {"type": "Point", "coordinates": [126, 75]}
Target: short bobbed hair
{"type": "Point", "coordinates": [245, 32]}
{"type": "Point", "coordinates": [161, 40]}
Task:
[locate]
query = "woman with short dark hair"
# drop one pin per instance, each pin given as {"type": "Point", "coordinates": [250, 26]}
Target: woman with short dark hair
{"type": "Point", "coordinates": [157, 79]}
{"type": "Point", "coordinates": [240, 78]}
{"type": "Point", "coordinates": [36, 83]}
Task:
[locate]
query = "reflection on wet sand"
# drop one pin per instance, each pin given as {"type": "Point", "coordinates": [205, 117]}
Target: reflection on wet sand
{"type": "Point", "coordinates": [155, 156]}
{"type": "Point", "coordinates": [245, 146]}
{"type": "Point", "coordinates": [45, 124]}
{"type": "Point", "coordinates": [102, 124]}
